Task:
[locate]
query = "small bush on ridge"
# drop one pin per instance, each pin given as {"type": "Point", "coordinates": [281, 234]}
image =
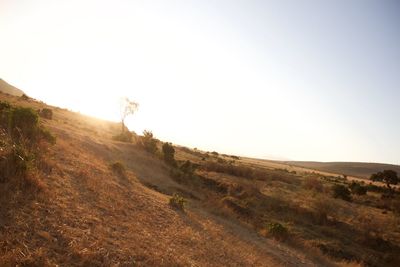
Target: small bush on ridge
{"type": "Point", "coordinates": [357, 189]}
{"type": "Point", "coordinates": [23, 122]}
{"type": "Point", "coordinates": [177, 202]}
{"type": "Point", "coordinates": [342, 192]}
{"type": "Point", "coordinates": [169, 154]}
{"type": "Point", "coordinates": [148, 142]}
{"type": "Point", "coordinates": [277, 231]}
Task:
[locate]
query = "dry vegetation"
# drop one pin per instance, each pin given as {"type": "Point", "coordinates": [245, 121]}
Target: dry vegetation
{"type": "Point", "coordinates": [87, 198]}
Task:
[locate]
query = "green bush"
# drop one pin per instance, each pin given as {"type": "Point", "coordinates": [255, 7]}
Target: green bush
{"type": "Point", "coordinates": [4, 105]}
{"type": "Point", "coordinates": [148, 142]}
{"type": "Point", "coordinates": [277, 231]}
{"type": "Point", "coordinates": [342, 192]}
{"type": "Point", "coordinates": [177, 202]}
{"type": "Point", "coordinates": [169, 154]}
{"type": "Point", "coordinates": [46, 113]}
{"type": "Point", "coordinates": [23, 123]}
{"type": "Point", "coordinates": [14, 163]}
{"type": "Point", "coordinates": [5, 108]}
{"type": "Point", "coordinates": [188, 167]}
{"type": "Point", "coordinates": [357, 189]}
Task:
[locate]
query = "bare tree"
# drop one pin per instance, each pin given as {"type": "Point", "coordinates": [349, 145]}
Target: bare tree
{"type": "Point", "coordinates": [127, 107]}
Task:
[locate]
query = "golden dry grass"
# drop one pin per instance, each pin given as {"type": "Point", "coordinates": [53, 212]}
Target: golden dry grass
{"type": "Point", "coordinates": [89, 216]}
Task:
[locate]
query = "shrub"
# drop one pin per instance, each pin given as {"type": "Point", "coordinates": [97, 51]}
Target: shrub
{"type": "Point", "coordinates": [5, 108]}
{"type": "Point", "coordinates": [118, 168]}
{"type": "Point", "coordinates": [148, 142]}
{"type": "Point", "coordinates": [13, 163]}
{"type": "Point", "coordinates": [342, 192]}
{"type": "Point", "coordinates": [188, 167]}
{"type": "Point", "coordinates": [4, 105]}
{"type": "Point", "coordinates": [277, 231]}
{"type": "Point", "coordinates": [378, 189]}
{"type": "Point", "coordinates": [125, 136]}
{"type": "Point", "coordinates": [357, 189]}
{"type": "Point", "coordinates": [177, 202]}
{"type": "Point", "coordinates": [23, 122]}
{"type": "Point", "coordinates": [389, 177]}
{"type": "Point", "coordinates": [169, 154]}
{"type": "Point", "coordinates": [46, 113]}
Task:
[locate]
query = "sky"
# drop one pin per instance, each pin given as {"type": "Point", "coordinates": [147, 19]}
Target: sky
{"type": "Point", "coordinates": [299, 80]}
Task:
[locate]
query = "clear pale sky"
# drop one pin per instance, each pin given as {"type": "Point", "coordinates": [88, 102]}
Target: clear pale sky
{"type": "Point", "coordinates": [301, 80]}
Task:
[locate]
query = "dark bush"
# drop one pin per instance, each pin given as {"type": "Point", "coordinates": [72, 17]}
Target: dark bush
{"type": "Point", "coordinates": [4, 105]}
{"type": "Point", "coordinates": [14, 163]}
{"type": "Point", "coordinates": [5, 109]}
{"type": "Point", "coordinates": [342, 192]}
{"type": "Point", "coordinates": [277, 231]}
{"type": "Point", "coordinates": [357, 189]}
{"type": "Point", "coordinates": [177, 202]}
{"type": "Point", "coordinates": [389, 177]}
{"type": "Point", "coordinates": [378, 189]}
{"type": "Point", "coordinates": [23, 123]}
{"type": "Point", "coordinates": [169, 154]}
{"type": "Point", "coordinates": [188, 167]}
{"type": "Point", "coordinates": [46, 113]}
{"type": "Point", "coordinates": [148, 142]}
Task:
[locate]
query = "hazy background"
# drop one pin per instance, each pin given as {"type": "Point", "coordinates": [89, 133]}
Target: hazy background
{"type": "Point", "coordinates": [302, 80]}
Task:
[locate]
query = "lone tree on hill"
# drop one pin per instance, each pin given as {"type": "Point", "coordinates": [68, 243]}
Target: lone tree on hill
{"type": "Point", "coordinates": [127, 107]}
{"type": "Point", "coordinates": [387, 176]}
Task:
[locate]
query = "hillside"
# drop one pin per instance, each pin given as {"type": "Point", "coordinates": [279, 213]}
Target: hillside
{"type": "Point", "coordinates": [9, 89]}
{"type": "Point", "coordinates": [357, 169]}
{"type": "Point", "coordinates": [88, 216]}
{"type": "Point", "coordinates": [88, 200]}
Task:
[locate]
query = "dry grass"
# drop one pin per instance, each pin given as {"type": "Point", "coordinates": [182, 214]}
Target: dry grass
{"type": "Point", "coordinates": [88, 216]}
{"type": "Point", "coordinates": [92, 215]}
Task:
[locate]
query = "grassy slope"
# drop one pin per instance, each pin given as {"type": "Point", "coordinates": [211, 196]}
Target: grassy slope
{"type": "Point", "coordinates": [88, 216]}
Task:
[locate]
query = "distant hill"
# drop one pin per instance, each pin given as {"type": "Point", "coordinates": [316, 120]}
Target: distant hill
{"type": "Point", "coordinates": [9, 89]}
{"type": "Point", "coordinates": [358, 169]}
